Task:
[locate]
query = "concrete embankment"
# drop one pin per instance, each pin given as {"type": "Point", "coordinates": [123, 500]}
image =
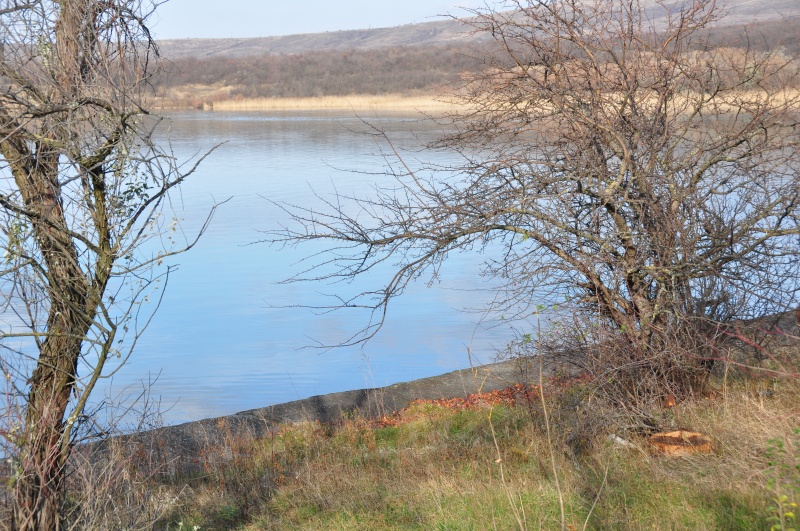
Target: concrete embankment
{"type": "Point", "coordinates": [181, 445]}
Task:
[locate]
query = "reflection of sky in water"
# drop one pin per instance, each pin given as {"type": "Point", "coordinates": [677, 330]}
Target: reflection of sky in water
{"type": "Point", "coordinates": [224, 341]}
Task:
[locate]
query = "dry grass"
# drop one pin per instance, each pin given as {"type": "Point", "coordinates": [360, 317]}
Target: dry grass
{"type": "Point", "coordinates": [479, 463]}
{"type": "Point", "coordinates": [484, 464]}
{"type": "Point", "coordinates": [193, 96]}
{"type": "Point", "coordinates": [383, 103]}
{"type": "Point", "coordinates": [219, 98]}
{"type": "Point", "coordinates": [112, 493]}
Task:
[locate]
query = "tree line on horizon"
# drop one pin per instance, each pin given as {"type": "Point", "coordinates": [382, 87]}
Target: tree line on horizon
{"type": "Point", "coordinates": [405, 70]}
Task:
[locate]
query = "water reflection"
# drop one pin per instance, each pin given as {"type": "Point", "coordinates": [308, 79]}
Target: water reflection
{"type": "Point", "coordinates": [225, 338]}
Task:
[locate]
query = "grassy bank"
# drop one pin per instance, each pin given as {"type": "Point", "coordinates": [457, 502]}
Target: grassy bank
{"type": "Point", "coordinates": [487, 463]}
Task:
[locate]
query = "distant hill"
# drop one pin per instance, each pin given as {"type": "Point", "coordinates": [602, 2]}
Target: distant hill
{"type": "Point", "coordinates": [438, 32]}
{"type": "Point", "coordinates": [742, 12]}
{"type": "Point", "coordinates": [413, 60]}
{"type": "Point", "coordinates": [424, 34]}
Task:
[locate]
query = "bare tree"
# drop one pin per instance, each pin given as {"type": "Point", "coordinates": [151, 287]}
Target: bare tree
{"type": "Point", "coordinates": [84, 228]}
{"type": "Point", "coordinates": [618, 161]}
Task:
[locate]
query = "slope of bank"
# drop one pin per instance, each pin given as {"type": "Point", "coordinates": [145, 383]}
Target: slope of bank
{"type": "Point", "coordinates": [496, 457]}
{"type": "Point", "coordinates": [179, 445]}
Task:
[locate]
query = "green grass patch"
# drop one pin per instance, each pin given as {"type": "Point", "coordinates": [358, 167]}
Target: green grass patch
{"type": "Point", "coordinates": [482, 467]}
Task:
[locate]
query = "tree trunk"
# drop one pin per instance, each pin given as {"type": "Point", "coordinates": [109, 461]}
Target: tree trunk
{"type": "Point", "coordinates": [39, 488]}
{"type": "Point", "coordinates": [43, 454]}
{"type": "Point", "coordinates": [71, 89]}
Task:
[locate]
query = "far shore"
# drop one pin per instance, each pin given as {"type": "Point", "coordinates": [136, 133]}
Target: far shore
{"type": "Point", "coordinates": [435, 105]}
{"type": "Point", "coordinates": [357, 102]}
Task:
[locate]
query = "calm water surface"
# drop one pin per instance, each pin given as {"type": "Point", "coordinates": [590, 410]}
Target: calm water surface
{"type": "Point", "coordinates": [224, 339]}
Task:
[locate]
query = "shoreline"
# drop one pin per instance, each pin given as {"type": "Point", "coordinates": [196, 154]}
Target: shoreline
{"type": "Point", "coordinates": [388, 103]}
{"type": "Point", "coordinates": [201, 99]}
{"type": "Point", "coordinates": [179, 444]}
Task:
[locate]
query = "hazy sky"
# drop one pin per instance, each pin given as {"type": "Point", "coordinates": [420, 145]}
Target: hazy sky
{"type": "Point", "coordinates": [179, 19]}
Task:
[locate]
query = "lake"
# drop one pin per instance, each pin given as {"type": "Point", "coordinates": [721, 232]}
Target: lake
{"type": "Point", "coordinates": [229, 336]}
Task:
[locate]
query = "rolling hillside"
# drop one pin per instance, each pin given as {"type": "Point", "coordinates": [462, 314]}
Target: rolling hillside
{"type": "Point", "coordinates": [427, 33]}
{"type": "Point", "coordinates": [438, 32]}
{"type": "Point", "coordinates": [412, 60]}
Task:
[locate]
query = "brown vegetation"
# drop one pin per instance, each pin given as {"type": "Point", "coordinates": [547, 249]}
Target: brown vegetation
{"type": "Point", "coordinates": [192, 81]}
{"type": "Point", "coordinates": [359, 103]}
{"type": "Point", "coordinates": [633, 170]}
{"type": "Point", "coordinates": [407, 71]}
{"type": "Point", "coordinates": [475, 462]}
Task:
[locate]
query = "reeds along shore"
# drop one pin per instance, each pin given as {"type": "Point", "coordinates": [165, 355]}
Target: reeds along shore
{"type": "Point", "coordinates": [427, 104]}
{"type": "Point", "coordinates": [359, 103]}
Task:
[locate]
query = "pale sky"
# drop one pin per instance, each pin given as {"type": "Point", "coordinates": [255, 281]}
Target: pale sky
{"type": "Point", "coordinates": [178, 19]}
